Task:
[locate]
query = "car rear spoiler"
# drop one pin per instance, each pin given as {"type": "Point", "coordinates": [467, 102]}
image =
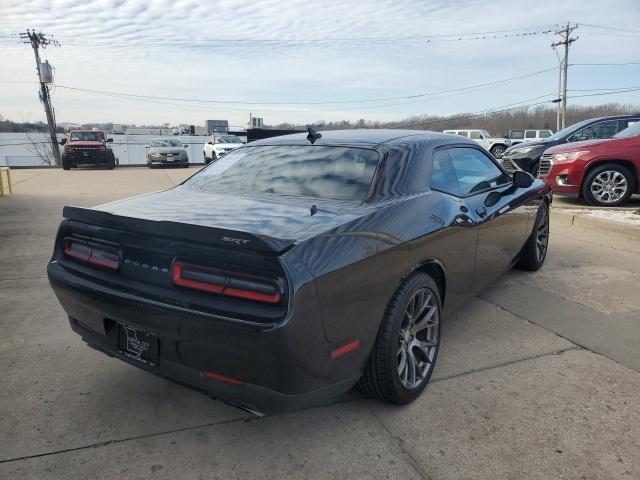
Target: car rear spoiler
{"type": "Point", "coordinates": [193, 233]}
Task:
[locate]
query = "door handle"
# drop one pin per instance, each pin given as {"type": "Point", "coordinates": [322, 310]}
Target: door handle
{"type": "Point", "coordinates": [481, 211]}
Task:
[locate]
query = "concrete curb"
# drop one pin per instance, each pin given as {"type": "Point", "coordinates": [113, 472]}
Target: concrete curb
{"type": "Point", "coordinates": [598, 224]}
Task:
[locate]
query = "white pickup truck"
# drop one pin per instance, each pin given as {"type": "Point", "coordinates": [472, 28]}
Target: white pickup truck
{"type": "Point", "coordinates": [496, 146]}
{"type": "Point", "coordinates": [220, 145]}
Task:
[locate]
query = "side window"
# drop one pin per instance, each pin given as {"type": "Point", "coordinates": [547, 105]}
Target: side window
{"type": "Point", "coordinates": [443, 176]}
{"type": "Point", "coordinates": [463, 134]}
{"type": "Point", "coordinates": [607, 129]}
{"type": "Point", "coordinates": [545, 133]}
{"type": "Point", "coordinates": [588, 133]}
{"type": "Point", "coordinates": [475, 135]}
{"type": "Point", "coordinates": [475, 170]}
{"type": "Point", "coordinates": [530, 134]}
{"type": "Point", "coordinates": [622, 124]}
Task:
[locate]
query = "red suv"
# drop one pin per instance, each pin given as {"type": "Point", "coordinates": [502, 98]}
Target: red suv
{"type": "Point", "coordinates": [604, 172]}
{"type": "Point", "coordinates": [84, 147]}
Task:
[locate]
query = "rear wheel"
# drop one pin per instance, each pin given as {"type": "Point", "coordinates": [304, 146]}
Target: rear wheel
{"type": "Point", "coordinates": [534, 251]}
{"type": "Point", "coordinates": [406, 348]}
{"type": "Point", "coordinates": [498, 151]}
{"type": "Point", "coordinates": [608, 185]}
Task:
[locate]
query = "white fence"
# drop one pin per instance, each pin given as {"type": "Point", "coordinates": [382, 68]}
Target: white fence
{"type": "Point", "coordinates": [17, 149]}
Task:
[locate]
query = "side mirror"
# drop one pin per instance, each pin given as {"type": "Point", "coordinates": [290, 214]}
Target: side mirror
{"type": "Point", "coordinates": [185, 145]}
{"type": "Point", "coordinates": [522, 179]}
{"type": "Point", "coordinates": [209, 143]}
{"type": "Point", "coordinates": [147, 147]}
{"type": "Point", "coordinates": [63, 141]}
{"type": "Point", "coordinates": [109, 140]}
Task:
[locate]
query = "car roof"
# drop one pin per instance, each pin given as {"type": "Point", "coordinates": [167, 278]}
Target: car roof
{"type": "Point", "coordinates": [612, 117]}
{"type": "Point", "coordinates": [361, 137]}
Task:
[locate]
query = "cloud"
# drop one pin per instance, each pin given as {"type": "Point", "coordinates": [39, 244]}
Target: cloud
{"type": "Point", "coordinates": [174, 49]}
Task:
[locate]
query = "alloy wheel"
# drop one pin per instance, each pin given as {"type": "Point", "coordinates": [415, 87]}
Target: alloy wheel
{"type": "Point", "coordinates": [498, 152]}
{"type": "Point", "coordinates": [609, 186]}
{"type": "Point", "coordinates": [418, 339]}
{"type": "Point", "coordinates": [542, 235]}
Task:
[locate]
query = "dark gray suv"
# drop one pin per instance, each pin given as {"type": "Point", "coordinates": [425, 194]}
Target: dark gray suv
{"type": "Point", "coordinates": [526, 156]}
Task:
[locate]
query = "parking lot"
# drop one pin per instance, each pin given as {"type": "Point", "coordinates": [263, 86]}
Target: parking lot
{"type": "Point", "coordinates": [538, 377]}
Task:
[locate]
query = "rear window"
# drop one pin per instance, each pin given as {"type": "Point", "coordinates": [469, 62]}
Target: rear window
{"type": "Point", "coordinates": [310, 171]}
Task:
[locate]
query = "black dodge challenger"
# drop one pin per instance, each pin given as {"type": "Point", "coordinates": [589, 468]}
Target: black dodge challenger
{"type": "Point", "coordinates": [298, 266]}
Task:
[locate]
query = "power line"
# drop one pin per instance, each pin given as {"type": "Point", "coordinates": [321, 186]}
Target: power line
{"type": "Point", "coordinates": [603, 64]}
{"type": "Point", "coordinates": [618, 29]}
{"type": "Point", "coordinates": [325, 102]}
{"type": "Point", "coordinates": [633, 89]}
{"type": "Point", "coordinates": [480, 113]}
{"type": "Point", "coordinates": [523, 31]}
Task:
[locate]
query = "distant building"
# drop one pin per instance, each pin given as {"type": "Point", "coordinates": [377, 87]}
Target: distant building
{"type": "Point", "coordinates": [148, 131]}
{"type": "Point", "coordinates": [255, 122]}
{"type": "Point", "coordinates": [216, 126]}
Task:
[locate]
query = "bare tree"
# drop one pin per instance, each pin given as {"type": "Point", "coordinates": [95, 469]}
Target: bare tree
{"type": "Point", "coordinates": [41, 149]}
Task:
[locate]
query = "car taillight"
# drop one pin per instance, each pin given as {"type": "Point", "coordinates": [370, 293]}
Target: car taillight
{"type": "Point", "coordinates": [223, 282]}
{"type": "Point", "coordinates": [92, 253]}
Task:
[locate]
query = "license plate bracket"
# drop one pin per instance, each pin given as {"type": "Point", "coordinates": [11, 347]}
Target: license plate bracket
{"type": "Point", "coordinates": [138, 345]}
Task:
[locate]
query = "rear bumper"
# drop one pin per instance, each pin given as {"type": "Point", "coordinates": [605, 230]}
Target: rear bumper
{"type": "Point", "coordinates": [264, 371]}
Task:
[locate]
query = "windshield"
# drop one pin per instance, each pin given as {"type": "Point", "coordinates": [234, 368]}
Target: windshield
{"type": "Point", "coordinates": [166, 143]}
{"type": "Point", "coordinates": [568, 131]}
{"type": "Point", "coordinates": [631, 131]}
{"type": "Point", "coordinates": [86, 137]}
{"type": "Point", "coordinates": [228, 139]}
{"type": "Point", "coordinates": [310, 171]}
{"type": "Point", "coordinates": [485, 134]}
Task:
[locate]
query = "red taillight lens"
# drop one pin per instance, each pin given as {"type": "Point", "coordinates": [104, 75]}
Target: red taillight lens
{"type": "Point", "coordinates": [227, 283]}
{"type": "Point", "coordinates": [95, 254]}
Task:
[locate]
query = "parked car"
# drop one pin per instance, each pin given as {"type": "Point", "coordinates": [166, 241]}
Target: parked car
{"type": "Point", "coordinates": [604, 172]}
{"type": "Point", "coordinates": [298, 266]}
{"type": "Point", "coordinates": [496, 146]}
{"type": "Point", "coordinates": [220, 145]}
{"type": "Point", "coordinates": [520, 135]}
{"type": "Point", "coordinates": [167, 152]}
{"type": "Point", "coordinates": [526, 157]}
{"type": "Point", "coordinates": [87, 147]}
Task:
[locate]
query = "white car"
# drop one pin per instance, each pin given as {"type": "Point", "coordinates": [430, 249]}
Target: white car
{"type": "Point", "coordinates": [520, 135]}
{"type": "Point", "coordinates": [220, 145]}
{"type": "Point", "coordinates": [496, 146]}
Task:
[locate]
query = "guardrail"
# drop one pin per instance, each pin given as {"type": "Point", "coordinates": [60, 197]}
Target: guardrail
{"type": "Point", "coordinates": [5, 172]}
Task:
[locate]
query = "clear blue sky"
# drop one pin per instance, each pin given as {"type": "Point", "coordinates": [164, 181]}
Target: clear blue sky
{"type": "Point", "coordinates": [269, 51]}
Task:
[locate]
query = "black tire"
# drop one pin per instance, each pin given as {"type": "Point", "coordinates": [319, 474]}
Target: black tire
{"type": "Point", "coordinates": [590, 189]}
{"type": "Point", "coordinates": [535, 249]}
{"type": "Point", "coordinates": [382, 379]}
{"type": "Point", "coordinates": [498, 151]}
{"type": "Point", "coordinates": [66, 164]}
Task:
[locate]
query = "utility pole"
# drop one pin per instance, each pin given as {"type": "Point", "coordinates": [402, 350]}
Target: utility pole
{"type": "Point", "coordinates": [38, 40]}
{"type": "Point", "coordinates": [566, 41]}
